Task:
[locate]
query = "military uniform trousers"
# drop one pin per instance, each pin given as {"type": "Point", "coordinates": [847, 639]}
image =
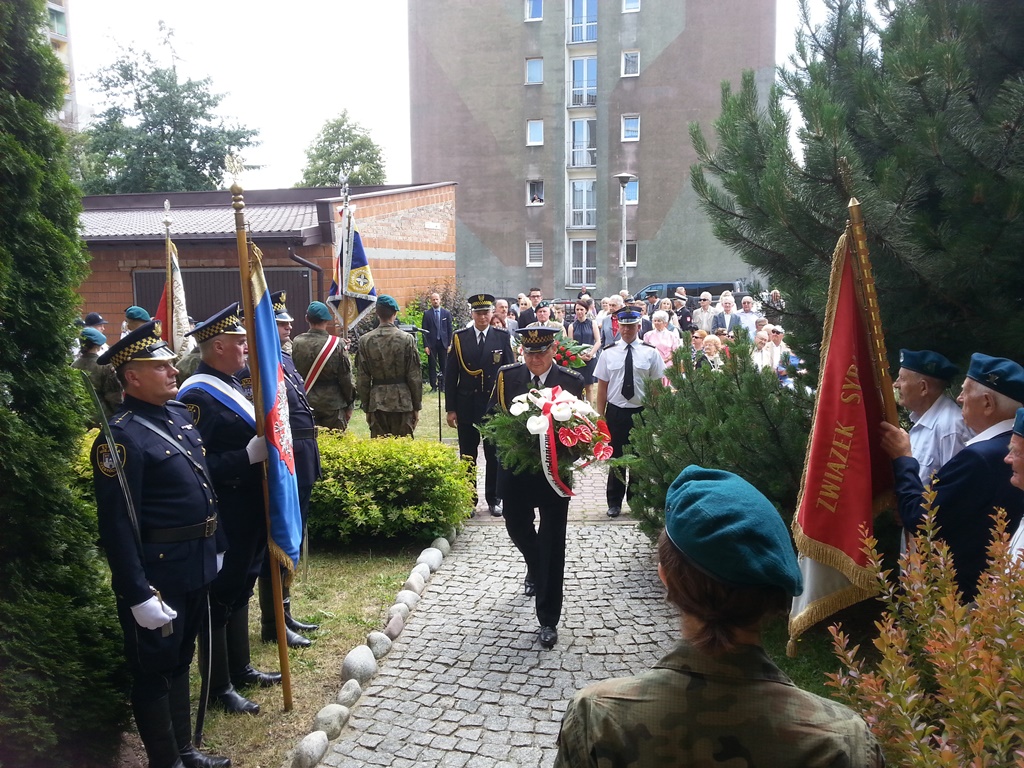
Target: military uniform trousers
{"type": "Point", "coordinates": [620, 423]}
{"type": "Point", "coordinates": [543, 549]}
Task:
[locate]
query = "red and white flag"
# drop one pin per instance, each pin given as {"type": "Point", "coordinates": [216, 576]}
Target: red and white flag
{"type": "Point", "coordinates": [174, 318]}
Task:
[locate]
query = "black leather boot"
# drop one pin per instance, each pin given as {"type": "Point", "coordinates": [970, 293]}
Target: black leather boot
{"type": "Point", "coordinates": [291, 623]}
{"type": "Point", "coordinates": [221, 689]}
{"type": "Point", "coordinates": [268, 624]}
{"type": "Point", "coordinates": [242, 672]}
{"type": "Point", "coordinates": [153, 719]}
{"type": "Point", "coordinates": [181, 719]}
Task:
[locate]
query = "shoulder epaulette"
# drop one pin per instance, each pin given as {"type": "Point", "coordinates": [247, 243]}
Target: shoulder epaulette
{"type": "Point", "coordinates": [648, 345]}
{"type": "Point", "coordinates": [574, 373]}
{"type": "Point", "coordinates": [121, 419]}
{"type": "Point", "coordinates": [510, 366]}
{"type": "Point", "coordinates": [176, 404]}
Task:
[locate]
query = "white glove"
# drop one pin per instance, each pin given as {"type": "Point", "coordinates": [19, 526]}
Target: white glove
{"type": "Point", "coordinates": [153, 614]}
{"type": "Point", "coordinates": [220, 561]}
{"type": "Point", "coordinates": [257, 450]}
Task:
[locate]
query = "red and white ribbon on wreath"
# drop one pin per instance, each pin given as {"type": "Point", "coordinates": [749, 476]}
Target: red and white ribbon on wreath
{"type": "Point", "coordinates": [550, 401]}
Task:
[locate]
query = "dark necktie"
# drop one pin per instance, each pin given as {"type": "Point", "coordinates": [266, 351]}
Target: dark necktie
{"type": "Point", "coordinates": [628, 388]}
{"type": "Point", "coordinates": [480, 339]}
{"type": "Point", "coordinates": [536, 382]}
{"type": "Point", "coordinates": [437, 322]}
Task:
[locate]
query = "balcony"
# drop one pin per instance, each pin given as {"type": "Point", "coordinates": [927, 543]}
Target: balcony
{"type": "Point", "coordinates": [582, 218]}
{"type": "Point", "coordinates": [582, 29]}
{"type": "Point", "coordinates": [582, 154]}
{"type": "Point", "coordinates": [582, 93]}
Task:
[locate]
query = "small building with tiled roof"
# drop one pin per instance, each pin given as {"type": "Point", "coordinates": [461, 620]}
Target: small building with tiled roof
{"type": "Point", "coordinates": [408, 233]}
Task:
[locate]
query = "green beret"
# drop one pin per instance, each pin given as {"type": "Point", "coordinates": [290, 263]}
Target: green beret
{"type": "Point", "coordinates": [729, 530]}
{"type": "Point", "coordinates": [386, 301]}
{"type": "Point", "coordinates": [137, 313]}
{"type": "Point", "coordinates": [92, 336]}
{"type": "Point", "coordinates": [318, 311]}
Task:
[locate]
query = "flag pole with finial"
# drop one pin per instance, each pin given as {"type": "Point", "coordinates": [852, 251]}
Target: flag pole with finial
{"type": "Point", "coordinates": [235, 166]}
{"type": "Point", "coordinates": [169, 276]}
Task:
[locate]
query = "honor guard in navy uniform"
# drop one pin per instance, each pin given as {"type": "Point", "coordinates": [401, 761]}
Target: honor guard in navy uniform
{"type": "Point", "coordinates": [307, 472]}
{"type": "Point", "coordinates": [969, 486]}
{"type": "Point", "coordinates": [476, 355]}
{"type": "Point", "coordinates": [226, 422]}
{"type": "Point", "coordinates": [158, 525]}
{"type": "Point", "coordinates": [544, 549]}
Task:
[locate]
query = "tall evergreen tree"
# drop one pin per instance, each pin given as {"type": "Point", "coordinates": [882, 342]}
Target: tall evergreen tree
{"type": "Point", "coordinates": [159, 133]}
{"type": "Point", "coordinates": [925, 101]}
{"type": "Point", "coordinates": [61, 697]}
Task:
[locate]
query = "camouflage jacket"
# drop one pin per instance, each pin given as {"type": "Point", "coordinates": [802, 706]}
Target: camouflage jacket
{"type": "Point", "coordinates": [693, 709]}
{"type": "Point", "coordinates": [187, 364]}
{"type": "Point", "coordinates": [104, 380]}
{"type": "Point", "coordinates": [388, 374]}
{"type": "Point", "coordinates": [333, 391]}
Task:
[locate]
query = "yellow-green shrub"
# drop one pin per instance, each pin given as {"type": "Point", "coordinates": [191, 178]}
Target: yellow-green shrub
{"type": "Point", "coordinates": [387, 487]}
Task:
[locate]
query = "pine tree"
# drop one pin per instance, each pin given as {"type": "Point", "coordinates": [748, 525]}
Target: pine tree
{"type": "Point", "coordinates": [62, 698]}
{"type": "Point", "coordinates": [925, 101]}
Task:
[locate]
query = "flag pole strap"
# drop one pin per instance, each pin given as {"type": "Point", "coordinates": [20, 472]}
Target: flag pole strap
{"type": "Point", "coordinates": [867, 297]}
{"type": "Point", "coordinates": [245, 272]}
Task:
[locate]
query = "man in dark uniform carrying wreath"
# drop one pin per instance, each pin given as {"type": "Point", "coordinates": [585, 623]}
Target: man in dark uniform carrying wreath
{"type": "Point", "coordinates": [476, 355]}
{"type": "Point", "coordinates": [162, 549]}
{"type": "Point", "coordinates": [226, 422]}
{"type": "Point", "coordinates": [543, 550]}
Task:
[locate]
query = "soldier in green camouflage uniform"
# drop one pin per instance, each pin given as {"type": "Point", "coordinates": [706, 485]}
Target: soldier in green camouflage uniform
{"type": "Point", "coordinates": [388, 376]}
{"type": "Point", "coordinates": [103, 378]}
{"type": "Point", "coordinates": [716, 699]}
{"type": "Point", "coordinates": [332, 394]}
{"type": "Point", "coordinates": [187, 365]}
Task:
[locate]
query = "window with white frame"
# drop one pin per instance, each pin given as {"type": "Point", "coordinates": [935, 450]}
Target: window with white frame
{"type": "Point", "coordinates": [534, 10]}
{"type": "Point", "coordinates": [631, 127]}
{"type": "Point", "coordinates": [583, 203]}
{"type": "Point", "coordinates": [534, 71]}
{"type": "Point", "coordinates": [630, 253]}
{"type": "Point", "coordinates": [583, 24]}
{"type": "Point", "coordinates": [535, 192]}
{"type": "Point", "coordinates": [583, 149]}
{"type": "Point", "coordinates": [534, 253]}
{"type": "Point", "coordinates": [583, 262]}
{"type": "Point", "coordinates": [630, 63]}
{"type": "Point", "coordinates": [630, 193]}
{"type": "Point", "coordinates": [534, 133]}
{"type": "Point", "coordinates": [630, 6]}
{"type": "Point", "coordinates": [583, 88]}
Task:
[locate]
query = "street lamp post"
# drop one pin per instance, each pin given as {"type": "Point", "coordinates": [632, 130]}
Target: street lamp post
{"type": "Point", "coordinates": [624, 178]}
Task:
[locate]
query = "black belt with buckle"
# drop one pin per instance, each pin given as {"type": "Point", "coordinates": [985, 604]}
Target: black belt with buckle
{"type": "Point", "coordinates": [304, 434]}
{"type": "Point", "coordinates": [186, 533]}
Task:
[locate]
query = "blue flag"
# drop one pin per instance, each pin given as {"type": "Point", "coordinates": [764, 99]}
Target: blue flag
{"type": "Point", "coordinates": [352, 293]}
{"type": "Point", "coordinates": [282, 486]}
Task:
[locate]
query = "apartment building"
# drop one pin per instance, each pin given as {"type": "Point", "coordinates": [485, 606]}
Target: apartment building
{"type": "Point", "coordinates": [561, 120]}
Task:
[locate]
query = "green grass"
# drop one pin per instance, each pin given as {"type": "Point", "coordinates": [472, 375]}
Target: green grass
{"type": "Point", "coordinates": [425, 430]}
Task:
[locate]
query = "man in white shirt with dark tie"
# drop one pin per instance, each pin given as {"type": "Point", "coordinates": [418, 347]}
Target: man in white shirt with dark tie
{"type": "Point", "coordinates": [624, 373]}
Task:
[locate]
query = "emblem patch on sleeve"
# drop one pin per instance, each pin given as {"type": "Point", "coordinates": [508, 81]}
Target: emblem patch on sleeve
{"type": "Point", "coordinates": [104, 460]}
{"type": "Point", "coordinates": [193, 410]}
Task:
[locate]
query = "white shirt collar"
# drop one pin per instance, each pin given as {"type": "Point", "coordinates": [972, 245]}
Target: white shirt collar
{"type": "Point", "coordinates": [1005, 425]}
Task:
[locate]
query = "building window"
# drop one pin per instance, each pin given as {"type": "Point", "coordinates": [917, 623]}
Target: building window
{"type": "Point", "coordinates": [630, 6]}
{"type": "Point", "coordinates": [631, 192]}
{"type": "Point", "coordinates": [583, 24]}
{"type": "Point", "coordinates": [630, 253]}
{"type": "Point", "coordinates": [583, 144]}
{"type": "Point", "coordinates": [534, 71]}
{"type": "Point", "coordinates": [534, 133]}
{"type": "Point", "coordinates": [534, 10]}
{"type": "Point", "coordinates": [631, 127]}
{"type": "Point", "coordinates": [583, 88]}
{"type": "Point", "coordinates": [58, 22]}
{"type": "Point", "coordinates": [630, 63]}
{"type": "Point", "coordinates": [534, 253]}
{"type": "Point", "coordinates": [582, 262]}
{"type": "Point", "coordinates": [535, 192]}
{"type": "Point", "coordinates": [583, 204]}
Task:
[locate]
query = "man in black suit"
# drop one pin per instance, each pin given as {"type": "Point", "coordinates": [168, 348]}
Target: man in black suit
{"type": "Point", "coordinates": [476, 355]}
{"type": "Point", "coordinates": [543, 550]}
{"type": "Point", "coordinates": [437, 322]}
{"type": "Point", "coordinates": [529, 315]}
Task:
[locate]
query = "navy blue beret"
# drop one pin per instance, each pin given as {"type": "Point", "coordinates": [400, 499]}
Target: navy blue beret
{"type": "Point", "coordinates": [1018, 423]}
{"type": "Point", "coordinates": [998, 374]}
{"type": "Point", "coordinates": [928, 363]}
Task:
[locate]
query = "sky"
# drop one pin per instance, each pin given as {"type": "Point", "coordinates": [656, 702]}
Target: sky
{"type": "Point", "coordinates": [285, 69]}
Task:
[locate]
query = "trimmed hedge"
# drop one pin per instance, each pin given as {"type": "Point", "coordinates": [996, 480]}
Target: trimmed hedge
{"type": "Point", "coordinates": [388, 487]}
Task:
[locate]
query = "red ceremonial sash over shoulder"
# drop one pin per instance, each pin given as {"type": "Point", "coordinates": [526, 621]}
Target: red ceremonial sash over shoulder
{"type": "Point", "coordinates": [321, 360]}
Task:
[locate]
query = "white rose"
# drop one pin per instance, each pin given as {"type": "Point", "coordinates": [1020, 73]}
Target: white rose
{"type": "Point", "coordinates": [537, 425]}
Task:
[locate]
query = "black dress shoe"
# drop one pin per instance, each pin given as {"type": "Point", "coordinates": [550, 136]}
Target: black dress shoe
{"type": "Point", "coordinates": [494, 509]}
{"type": "Point", "coordinates": [295, 640]}
{"type": "Point", "coordinates": [548, 637]}
{"type": "Point", "coordinates": [250, 676]}
{"type": "Point", "coordinates": [235, 703]}
{"type": "Point", "coordinates": [298, 626]}
{"type": "Point", "coordinates": [529, 587]}
{"type": "Point", "coordinates": [193, 758]}
{"type": "Point", "coordinates": [614, 511]}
